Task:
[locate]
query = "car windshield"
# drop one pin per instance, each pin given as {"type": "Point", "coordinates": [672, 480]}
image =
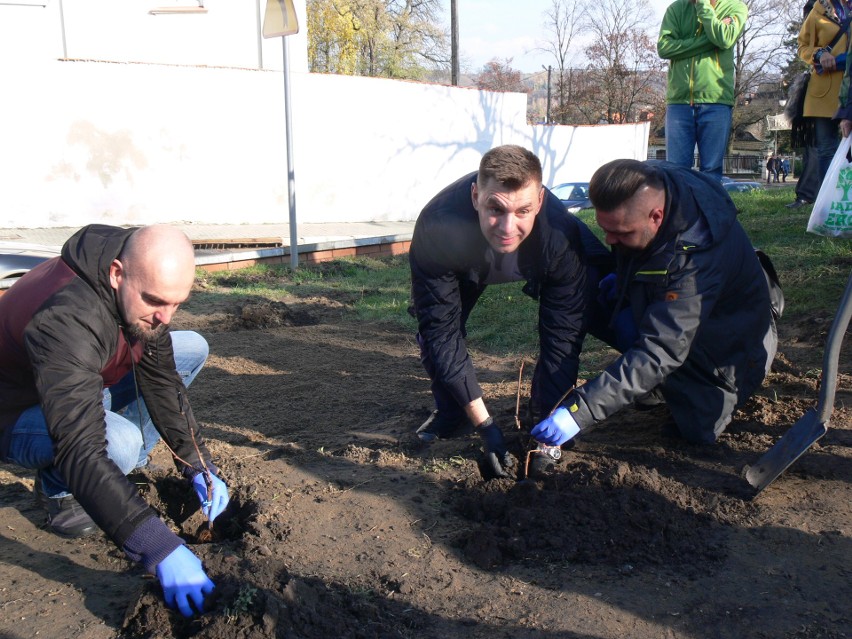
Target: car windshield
{"type": "Point", "coordinates": [571, 191]}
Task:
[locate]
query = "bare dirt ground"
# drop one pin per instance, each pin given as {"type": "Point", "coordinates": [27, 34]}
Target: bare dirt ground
{"type": "Point", "coordinates": [341, 526]}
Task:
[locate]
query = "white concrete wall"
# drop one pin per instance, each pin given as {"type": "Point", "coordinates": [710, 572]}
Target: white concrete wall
{"type": "Point", "coordinates": [131, 143]}
{"type": "Point", "coordinates": [228, 34]}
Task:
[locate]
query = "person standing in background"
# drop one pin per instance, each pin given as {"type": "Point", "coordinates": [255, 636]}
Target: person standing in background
{"type": "Point", "coordinates": [823, 40]}
{"type": "Point", "coordinates": [697, 38]}
{"type": "Point", "coordinates": [808, 183]}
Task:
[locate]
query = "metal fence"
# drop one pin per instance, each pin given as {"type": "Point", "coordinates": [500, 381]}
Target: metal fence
{"type": "Point", "coordinates": [733, 165]}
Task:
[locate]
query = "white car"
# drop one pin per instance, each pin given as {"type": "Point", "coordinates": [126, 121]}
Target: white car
{"type": "Point", "coordinates": [16, 258]}
{"type": "Point", "coordinates": [574, 195]}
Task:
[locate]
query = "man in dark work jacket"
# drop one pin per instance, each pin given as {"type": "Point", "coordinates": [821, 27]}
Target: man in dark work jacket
{"type": "Point", "coordinates": [701, 300]}
{"type": "Point", "coordinates": [493, 226]}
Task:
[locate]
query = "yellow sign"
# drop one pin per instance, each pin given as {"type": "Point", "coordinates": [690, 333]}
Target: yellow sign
{"type": "Point", "coordinates": [280, 19]}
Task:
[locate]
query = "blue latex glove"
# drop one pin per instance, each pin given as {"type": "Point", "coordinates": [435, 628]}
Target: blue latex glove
{"type": "Point", "coordinates": [556, 429]}
{"type": "Point", "coordinates": [607, 290]}
{"type": "Point", "coordinates": [218, 501]}
{"type": "Point", "coordinates": [183, 580]}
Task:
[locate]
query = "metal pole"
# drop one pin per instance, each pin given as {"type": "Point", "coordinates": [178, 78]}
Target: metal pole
{"type": "Point", "coordinates": [547, 115]}
{"type": "Point", "coordinates": [62, 25]}
{"type": "Point", "coordinates": [454, 42]}
{"type": "Point", "coordinates": [291, 176]}
{"type": "Point", "coordinates": [259, 37]}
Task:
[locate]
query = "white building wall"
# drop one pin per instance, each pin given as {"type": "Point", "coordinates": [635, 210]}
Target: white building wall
{"type": "Point", "coordinates": [124, 142]}
{"type": "Point", "coordinates": [227, 34]}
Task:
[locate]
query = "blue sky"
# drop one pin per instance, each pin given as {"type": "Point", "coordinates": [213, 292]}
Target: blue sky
{"type": "Point", "coordinates": [510, 29]}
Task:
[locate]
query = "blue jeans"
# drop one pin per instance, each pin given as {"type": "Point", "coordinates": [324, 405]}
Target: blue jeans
{"type": "Point", "coordinates": [130, 433]}
{"type": "Point", "coordinates": [707, 125]}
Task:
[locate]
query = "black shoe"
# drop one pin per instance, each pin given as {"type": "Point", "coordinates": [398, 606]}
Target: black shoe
{"type": "Point", "coordinates": [440, 427]}
{"type": "Point", "coordinates": [797, 204]}
{"type": "Point", "coordinates": [65, 516]}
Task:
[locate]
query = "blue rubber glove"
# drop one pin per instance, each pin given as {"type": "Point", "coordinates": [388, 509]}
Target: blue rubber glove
{"type": "Point", "coordinates": [607, 290]}
{"type": "Point", "coordinates": [218, 501]}
{"type": "Point", "coordinates": [183, 580]}
{"type": "Point", "coordinates": [556, 429]}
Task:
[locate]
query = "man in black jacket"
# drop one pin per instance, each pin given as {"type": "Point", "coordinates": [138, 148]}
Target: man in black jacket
{"type": "Point", "coordinates": [694, 289]}
{"type": "Point", "coordinates": [91, 377]}
{"type": "Point", "coordinates": [499, 225]}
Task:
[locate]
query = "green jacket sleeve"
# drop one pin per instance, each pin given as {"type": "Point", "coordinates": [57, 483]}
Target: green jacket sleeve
{"type": "Point", "coordinates": [681, 37]}
{"type": "Point", "coordinates": [725, 26]}
{"type": "Point", "coordinates": [677, 40]}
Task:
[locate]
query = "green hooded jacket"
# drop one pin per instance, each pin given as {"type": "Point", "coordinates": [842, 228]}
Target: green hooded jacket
{"type": "Point", "coordinates": [698, 39]}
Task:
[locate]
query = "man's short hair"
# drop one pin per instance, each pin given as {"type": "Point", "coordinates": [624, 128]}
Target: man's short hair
{"type": "Point", "coordinates": [511, 165]}
{"type": "Point", "coordinates": [616, 182]}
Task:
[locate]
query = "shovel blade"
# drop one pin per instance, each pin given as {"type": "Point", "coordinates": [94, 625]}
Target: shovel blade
{"type": "Point", "coordinates": [786, 450]}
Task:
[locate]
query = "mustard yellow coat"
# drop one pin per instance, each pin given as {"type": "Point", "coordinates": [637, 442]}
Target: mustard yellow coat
{"type": "Point", "coordinates": [821, 100]}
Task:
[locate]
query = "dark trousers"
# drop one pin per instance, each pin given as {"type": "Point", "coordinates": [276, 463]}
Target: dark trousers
{"type": "Point", "coordinates": [809, 181]}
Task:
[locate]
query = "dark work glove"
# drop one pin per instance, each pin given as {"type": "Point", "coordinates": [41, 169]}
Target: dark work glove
{"type": "Point", "coordinates": [607, 290]}
{"type": "Point", "coordinates": [496, 460]}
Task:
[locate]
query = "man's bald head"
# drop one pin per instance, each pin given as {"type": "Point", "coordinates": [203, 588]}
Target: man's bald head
{"type": "Point", "coordinates": [160, 247]}
{"type": "Point", "coordinates": [152, 276]}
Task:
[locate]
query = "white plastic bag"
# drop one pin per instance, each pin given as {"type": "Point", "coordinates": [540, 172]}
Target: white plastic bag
{"type": "Point", "coordinates": [832, 212]}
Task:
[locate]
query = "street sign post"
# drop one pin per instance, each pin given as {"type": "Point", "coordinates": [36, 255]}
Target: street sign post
{"type": "Point", "coordinates": [280, 21]}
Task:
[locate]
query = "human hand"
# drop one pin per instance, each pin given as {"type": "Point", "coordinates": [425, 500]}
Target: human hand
{"type": "Point", "coordinates": [556, 429]}
{"type": "Point", "coordinates": [213, 507]}
{"type": "Point", "coordinates": [827, 62]}
{"type": "Point", "coordinates": [184, 581]}
{"type": "Point", "coordinates": [607, 289]}
{"type": "Point", "coordinates": [496, 460]}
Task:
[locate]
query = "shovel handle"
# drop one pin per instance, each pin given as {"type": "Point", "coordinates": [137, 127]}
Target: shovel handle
{"type": "Point", "coordinates": [832, 354]}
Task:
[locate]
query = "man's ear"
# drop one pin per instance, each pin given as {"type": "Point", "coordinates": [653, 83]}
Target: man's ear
{"type": "Point", "coordinates": [116, 273]}
{"type": "Point", "coordinates": [656, 216]}
{"type": "Point", "coordinates": [473, 195]}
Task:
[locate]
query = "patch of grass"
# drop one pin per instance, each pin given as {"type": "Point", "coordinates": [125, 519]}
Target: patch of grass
{"type": "Point", "coordinates": [377, 288]}
{"type": "Point", "coordinates": [813, 270]}
{"type": "Point", "coordinates": [436, 465]}
{"type": "Point", "coordinates": [504, 321]}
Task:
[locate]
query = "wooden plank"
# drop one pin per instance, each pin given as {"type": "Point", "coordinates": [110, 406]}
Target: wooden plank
{"type": "Point", "coordinates": [238, 242]}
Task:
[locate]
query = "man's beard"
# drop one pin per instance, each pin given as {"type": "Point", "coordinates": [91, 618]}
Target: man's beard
{"type": "Point", "coordinates": [146, 335]}
{"type": "Point", "coordinates": [646, 240]}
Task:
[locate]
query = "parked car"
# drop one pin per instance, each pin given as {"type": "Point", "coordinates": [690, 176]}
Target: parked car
{"type": "Point", "coordinates": [574, 195]}
{"type": "Point", "coordinates": [742, 187]}
{"type": "Point", "coordinates": [16, 258]}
